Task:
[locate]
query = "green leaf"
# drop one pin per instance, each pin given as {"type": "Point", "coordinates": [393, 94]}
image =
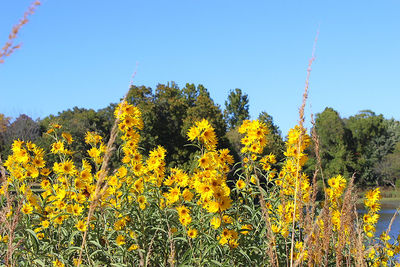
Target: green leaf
{"type": "Point", "coordinates": [35, 239]}
{"type": "Point", "coordinates": [97, 244]}
{"type": "Point", "coordinates": [216, 262]}
{"type": "Point", "coordinates": [39, 261]}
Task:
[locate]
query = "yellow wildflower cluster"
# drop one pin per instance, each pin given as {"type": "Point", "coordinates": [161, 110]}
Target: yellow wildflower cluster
{"type": "Point", "coordinates": [26, 161]}
{"type": "Point", "coordinates": [209, 181]}
{"type": "Point", "coordinates": [204, 133]}
{"type": "Point", "coordinates": [255, 139]}
{"type": "Point", "coordinates": [25, 165]}
{"type": "Point", "coordinates": [143, 208]}
{"type": "Point", "coordinates": [229, 237]}
{"type": "Point", "coordinates": [381, 254]}
{"type": "Point", "coordinates": [372, 204]}
{"type": "Point", "coordinates": [294, 186]}
{"type": "Point", "coordinates": [334, 192]}
{"type": "Point", "coordinates": [97, 150]}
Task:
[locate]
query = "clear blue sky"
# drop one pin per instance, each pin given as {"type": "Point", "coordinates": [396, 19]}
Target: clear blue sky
{"type": "Point", "coordinates": [82, 53]}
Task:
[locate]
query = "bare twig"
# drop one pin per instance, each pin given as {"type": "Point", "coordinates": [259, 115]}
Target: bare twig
{"type": "Point", "coordinates": [9, 47]}
{"type": "Point", "coordinates": [102, 186]}
{"type": "Point", "coordinates": [301, 123]}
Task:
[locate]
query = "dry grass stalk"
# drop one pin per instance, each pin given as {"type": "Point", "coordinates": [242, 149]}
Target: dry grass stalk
{"type": "Point", "coordinates": [9, 46]}
{"type": "Point", "coordinates": [305, 94]}
{"type": "Point", "coordinates": [150, 248]}
{"type": "Point", "coordinates": [315, 139]}
{"type": "Point", "coordinates": [309, 222]}
{"type": "Point", "coordinates": [391, 222]}
{"type": "Point", "coordinates": [322, 252]}
{"type": "Point", "coordinates": [271, 247]}
{"type": "Point", "coordinates": [359, 244]}
{"type": "Point", "coordinates": [346, 221]}
{"type": "Point", "coordinates": [101, 187]}
{"type": "Point", "coordinates": [171, 257]}
{"type": "Point", "coordinates": [2, 172]}
{"type": "Point", "coordinates": [8, 225]}
{"type": "Point", "coordinates": [301, 124]}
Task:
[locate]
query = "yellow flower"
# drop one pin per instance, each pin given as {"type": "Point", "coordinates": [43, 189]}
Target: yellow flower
{"type": "Point", "coordinates": [182, 211]}
{"type": "Point", "coordinates": [138, 185]}
{"type": "Point", "coordinates": [92, 138]}
{"type": "Point", "coordinates": [192, 233]}
{"type": "Point", "coordinates": [227, 219]}
{"type": "Point", "coordinates": [205, 190]}
{"type": "Point", "coordinates": [45, 172]}
{"type": "Point", "coordinates": [246, 227]}
{"type": "Point", "coordinates": [45, 224]}
{"type": "Point", "coordinates": [187, 195]}
{"type": "Point", "coordinates": [120, 240]}
{"type": "Point", "coordinates": [57, 147]}
{"type": "Point", "coordinates": [76, 261]}
{"type": "Point", "coordinates": [204, 161]}
{"type": "Point", "coordinates": [94, 152]}
{"type": "Point", "coordinates": [224, 203]}
{"type": "Point", "coordinates": [58, 263]}
{"type": "Point", "coordinates": [173, 195]}
{"type": "Point", "coordinates": [81, 226]}
{"type": "Point", "coordinates": [38, 162]}
{"type": "Point", "coordinates": [240, 184]}
{"type": "Point", "coordinates": [67, 137]}
{"type": "Point", "coordinates": [133, 247]}
{"type": "Point", "coordinates": [186, 220]}
{"type": "Point", "coordinates": [67, 167]}
{"type": "Point", "coordinates": [142, 202]}
{"type": "Point", "coordinates": [275, 228]}
{"type": "Point", "coordinates": [27, 208]}
{"type": "Point", "coordinates": [215, 222]}
{"type": "Point", "coordinates": [204, 132]}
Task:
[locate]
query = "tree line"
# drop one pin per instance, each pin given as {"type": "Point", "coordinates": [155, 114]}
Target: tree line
{"type": "Point", "coordinates": [366, 144]}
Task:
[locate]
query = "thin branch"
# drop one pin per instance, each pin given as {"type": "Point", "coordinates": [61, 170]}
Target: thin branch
{"type": "Point", "coordinates": [9, 46]}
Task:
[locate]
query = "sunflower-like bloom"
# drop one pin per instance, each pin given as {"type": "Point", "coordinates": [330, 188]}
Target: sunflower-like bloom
{"type": "Point", "coordinates": [255, 139]}
{"type": "Point", "coordinates": [204, 133]}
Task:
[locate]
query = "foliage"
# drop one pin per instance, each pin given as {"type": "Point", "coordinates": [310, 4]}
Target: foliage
{"type": "Point", "coordinates": [23, 128]}
{"type": "Point", "coordinates": [388, 170]}
{"type": "Point", "coordinates": [146, 214]}
{"type": "Point", "coordinates": [335, 143]}
{"type": "Point", "coordinates": [275, 144]}
{"type": "Point", "coordinates": [167, 115]}
{"type": "Point", "coordinates": [4, 123]}
{"type": "Point", "coordinates": [77, 122]}
{"type": "Point", "coordinates": [236, 108]}
{"type": "Point", "coordinates": [372, 141]}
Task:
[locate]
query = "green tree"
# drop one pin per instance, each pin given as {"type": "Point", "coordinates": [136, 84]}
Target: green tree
{"type": "Point", "coordinates": [201, 106]}
{"type": "Point", "coordinates": [275, 143]}
{"type": "Point", "coordinates": [335, 144]}
{"type": "Point", "coordinates": [236, 108]}
{"type": "Point", "coordinates": [169, 112]}
{"type": "Point", "coordinates": [4, 124]}
{"type": "Point", "coordinates": [23, 128]}
{"type": "Point", "coordinates": [78, 121]}
{"type": "Point", "coordinates": [388, 169]}
{"type": "Point", "coordinates": [370, 134]}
